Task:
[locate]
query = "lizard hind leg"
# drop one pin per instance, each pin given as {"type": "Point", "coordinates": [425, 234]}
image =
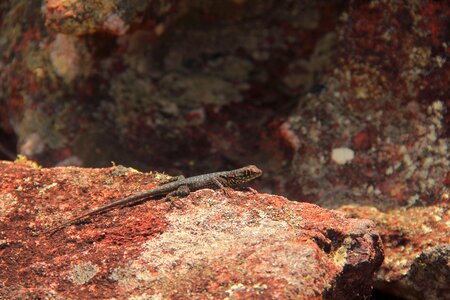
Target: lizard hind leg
{"type": "Point", "coordinates": [174, 196]}
{"type": "Point", "coordinates": [172, 179]}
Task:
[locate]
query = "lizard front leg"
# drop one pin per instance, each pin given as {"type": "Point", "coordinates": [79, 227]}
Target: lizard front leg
{"type": "Point", "coordinates": [224, 189]}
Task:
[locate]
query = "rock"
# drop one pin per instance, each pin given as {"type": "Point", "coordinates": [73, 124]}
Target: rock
{"type": "Point", "coordinates": [342, 155]}
{"type": "Point", "coordinates": [416, 245]}
{"type": "Point", "coordinates": [208, 245]}
{"type": "Point", "coordinates": [210, 82]}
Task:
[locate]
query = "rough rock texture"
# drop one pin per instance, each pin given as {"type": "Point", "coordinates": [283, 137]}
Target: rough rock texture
{"type": "Point", "coordinates": [377, 133]}
{"type": "Point", "coordinates": [329, 97]}
{"type": "Point", "coordinates": [90, 16]}
{"type": "Point", "coordinates": [181, 81]}
{"type": "Point", "coordinates": [337, 101]}
{"type": "Point", "coordinates": [247, 246]}
{"type": "Point", "coordinates": [417, 250]}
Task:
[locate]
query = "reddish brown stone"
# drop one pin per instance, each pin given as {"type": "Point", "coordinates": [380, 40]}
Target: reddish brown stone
{"type": "Point", "coordinates": [417, 250]}
{"type": "Point", "coordinates": [212, 246]}
{"type": "Point", "coordinates": [362, 140]}
{"type": "Point", "coordinates": [199, 85]}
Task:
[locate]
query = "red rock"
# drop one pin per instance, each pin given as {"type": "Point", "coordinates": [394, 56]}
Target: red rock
{"type": "Point", "coordinates": [416, 245]}
{"type": "Point", "coordinates": [247, 246]}
{"type": "Point", "coordinates": [362, 140]}
{"type": "Point", "coordinates": [289, 136]}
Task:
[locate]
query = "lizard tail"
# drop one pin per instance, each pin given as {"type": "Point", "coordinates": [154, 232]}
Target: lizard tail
{"type": "Point", "coordinates": [134, 199]}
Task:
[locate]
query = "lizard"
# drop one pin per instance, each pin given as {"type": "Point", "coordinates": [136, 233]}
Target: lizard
{"type": "Point", "coordinates": [177, 187]}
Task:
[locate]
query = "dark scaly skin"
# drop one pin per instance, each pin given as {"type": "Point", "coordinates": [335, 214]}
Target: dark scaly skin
{"type": "Point", "coordinates": [179, 188]}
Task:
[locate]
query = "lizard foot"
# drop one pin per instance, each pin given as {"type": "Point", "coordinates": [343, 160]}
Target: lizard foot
{"type": "Point", "coordinates": [175, 202]}
{"type": "Point", "coordinates": [252, 190]}
{"type": "Point", "coordinates": [227, 191]}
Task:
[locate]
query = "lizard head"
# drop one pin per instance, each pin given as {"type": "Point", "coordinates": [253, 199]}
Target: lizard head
{"type": "Point", "coordinates": [243, 175]}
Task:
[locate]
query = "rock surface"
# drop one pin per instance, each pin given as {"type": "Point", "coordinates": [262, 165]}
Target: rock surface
{"type": "Point", "coordinates": [417, 250]}
{"type": "Point", "coordinates": [248, 245]}
{"type": "Point", "coordinates": [336, 100]}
